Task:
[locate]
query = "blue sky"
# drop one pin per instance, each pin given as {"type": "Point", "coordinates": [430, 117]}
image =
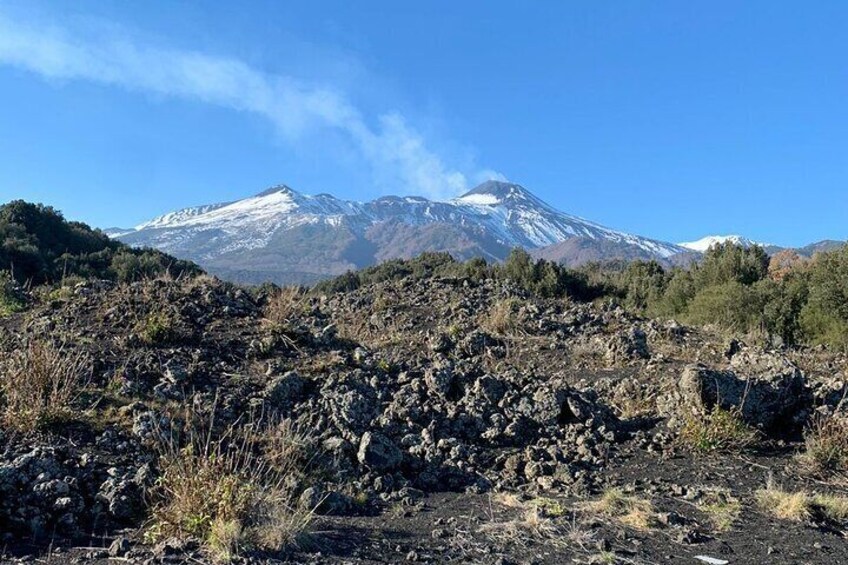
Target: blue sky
{"type": "Point", "coordinates": [664, 118]}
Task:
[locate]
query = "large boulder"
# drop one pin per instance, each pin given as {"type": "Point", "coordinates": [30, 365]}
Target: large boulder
{"type": "Point", "coordinates": [771, 395]}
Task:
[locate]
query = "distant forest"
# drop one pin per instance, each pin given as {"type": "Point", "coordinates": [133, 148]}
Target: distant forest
{"type": "Point", "coordinates": [783, 299]}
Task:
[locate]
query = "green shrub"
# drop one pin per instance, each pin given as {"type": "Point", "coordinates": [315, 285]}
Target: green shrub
{"type": "Point", "coordinates": [11, 299]}
{"type": "Point", "coordinates": [40, 246]}
{"type": "Point", "coordinates": [158, 328]}
{"type": "Point", "coordinates": [731, 305]}
{"type": "Point", "coordinates": [719, 430]}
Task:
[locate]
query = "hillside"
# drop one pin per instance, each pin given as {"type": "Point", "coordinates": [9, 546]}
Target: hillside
{"type": "Point", "coordinates": [421, 416]}
{"type": "Point", "coordinates": [37, 245]}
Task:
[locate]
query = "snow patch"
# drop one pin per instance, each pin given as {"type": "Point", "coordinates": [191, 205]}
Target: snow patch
{"type": "Point", "coordinates": [479, 200]}
{"type": "Point", "coordinates": [703, 244]}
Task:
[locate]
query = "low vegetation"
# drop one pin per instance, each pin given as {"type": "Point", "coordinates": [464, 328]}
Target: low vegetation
{"type": "Point", "coordinates": [721, 507]}
{"type": "Point", "coordinates": [626, 509]}
{"type": "Point", "coordinates": [235, 491]}
{"type": "Point", "coordinates": [158, 328]}
{"type": "Point", "coordinates": [801, 505]}
{"type": "Point", "coordinates": [717, 430]}
{"type": "Point", "coordinates": [285, 305]}
{"type": "Point", "coordinates": [40, 384]}
{"type": "Point", "coordinates": [783, 299]}
{"type": "Point", "coordinates": [826, 447]}
{"type": "Point", "coordinates": [503, 318]}
{"type": "Point", "coordinates": [37, 245]}
{"type": "Point", "coordinates": [11, 300]}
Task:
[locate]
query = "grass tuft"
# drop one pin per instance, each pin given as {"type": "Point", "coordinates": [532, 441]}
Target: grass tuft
{"type": "Point", "coordinates": [825, 447]}
{"type": "Point", "coordinates": [721, 507]}
{"type": "Point", "coordinates": [719, 430]}
{"type": "Point", "coordinates": [627, 510]}
{"type": "Point", "coordinates": [782, 504]}
{"type": "Point", "coordinates": [503, 318]}
{"type": "Point", "coordinates": [234, 492]}
{"type": "Point", "coordinates": [40, 384]}
{"type": "Point", "coordinates": [285, 305]}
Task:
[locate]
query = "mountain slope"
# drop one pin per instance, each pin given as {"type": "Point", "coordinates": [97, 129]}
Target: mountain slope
{"type": "Point", "coordinates": [703, 244]}
{"type": "Point", "coordinates": [286, 236]}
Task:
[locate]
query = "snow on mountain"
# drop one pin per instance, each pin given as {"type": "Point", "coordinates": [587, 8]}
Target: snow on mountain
{"type": "Point", "coordinates": [703, 244]}
{"type": "Point", "coordinates": [282, 225]}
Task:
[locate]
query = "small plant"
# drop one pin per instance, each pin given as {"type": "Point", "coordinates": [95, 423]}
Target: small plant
{"type": "Point", "coordinates": [40, 384]}
{"type": "Point", "coordinates": [158, 328]}
{"type": "Point", "coordinates": [11, 298]}
{"type": "Point", "coordinates": [502, 318]}
{"type": "Point", "coordinates": [831, 507]}
{"type": "Point", "coordinates": [718, 430]}
{"type": "Point", "coordinates": [825, 446]}
{"type": "Point", "coordinates": [721, 507]}
{"type": "Point", "coordinates": [531, 525]}
{"type": "Point", "coordinates": [801, 505]}
{"type": "Point", "coordinates": [285, 305]}
{"type": "Point", "coordinates": [784, 505]}
{"type": "Point", "coordinates": [628, 510]}
{"type": "Point", "coordinates": [234, 492]}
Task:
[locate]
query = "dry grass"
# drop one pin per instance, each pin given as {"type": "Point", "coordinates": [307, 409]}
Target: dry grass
{"type": "Point", "coordinates": [831, 507]}
{"type": "Point", "coordinates": [234, 492]}
{"type": "Point", "coordinates": [627, 510]}
{"type": "Point", "coordinates": [503, 318]}
{"type": "Point", "coordinates": [535, 521]}
{"type": "Point", "coordinates": [286, 305]}
{"type": "Point", "coordinates": [721, 507]}
{"type": "Point", "coordinates": [801, 505]}
{"type": "Point", "coordinates": [719, 430]}
{"type": "Point", "coordinates": [634, 401]}
{"type": "Point", "coordinates": [782, 504]}
{"type": "Point", "coordinates": [825, 447]}
{"type": "Point", "coordinates": [531, 525]}
{"type": "Point", "coordinates": [40, 384]}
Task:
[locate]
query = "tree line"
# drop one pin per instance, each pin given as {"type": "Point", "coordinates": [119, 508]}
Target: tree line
{"type": "Point", "coordinates": [783, 299]}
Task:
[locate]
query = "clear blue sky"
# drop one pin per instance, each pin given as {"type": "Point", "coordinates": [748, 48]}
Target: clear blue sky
{"type": "Point", "coordinates": [664, 118]}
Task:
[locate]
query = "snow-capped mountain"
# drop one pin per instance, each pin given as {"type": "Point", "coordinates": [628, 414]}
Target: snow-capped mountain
{"type": "Point", "coordinates": [287, 236]}
{"type": "Point", "coordinates": [703, 244]}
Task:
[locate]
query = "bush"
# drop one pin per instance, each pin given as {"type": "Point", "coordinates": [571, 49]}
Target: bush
{"type": "Point", "coordinates": [40, 384]}
{"type": "Point", "coordinates": [233, 492]}
{"type": "Point", "coordinates": [824, 318]}
{"type": "Point", "coordinates": [732, 306]}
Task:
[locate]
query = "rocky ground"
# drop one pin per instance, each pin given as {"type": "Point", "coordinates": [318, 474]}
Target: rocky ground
{"type": "Point", "coordinates": [448, 422]}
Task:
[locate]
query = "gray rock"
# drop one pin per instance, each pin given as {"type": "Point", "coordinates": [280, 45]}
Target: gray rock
{"type": "Point", "coordinates": [285, 390]}
{"type": "Point", "coordinates": [377, 452]}
{"type": "Point", "coordinates": [119, 547]}
{"type": "Point", "coordinates": [765, 400]}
